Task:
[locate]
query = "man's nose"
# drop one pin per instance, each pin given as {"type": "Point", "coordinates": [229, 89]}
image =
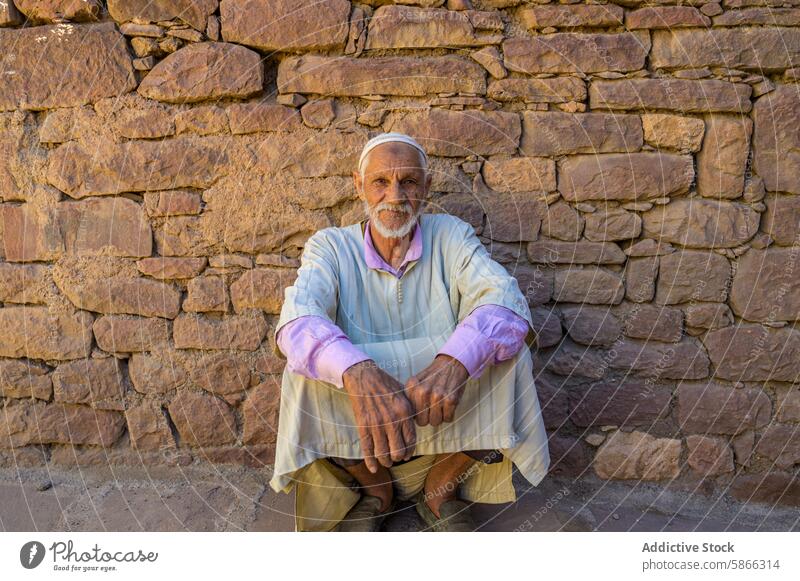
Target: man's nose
{"type": "Point", "coordinates": [395, 193]}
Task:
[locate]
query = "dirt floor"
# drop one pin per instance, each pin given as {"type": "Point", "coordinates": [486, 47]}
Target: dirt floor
{"type": "Point", "coordinates": [240, 499]}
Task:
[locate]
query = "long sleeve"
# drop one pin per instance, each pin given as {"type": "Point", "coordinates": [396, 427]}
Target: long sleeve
{"type": "Point", "coordinates": [318, 349]}
{"type": "Point", "coordinates": [489, 335]}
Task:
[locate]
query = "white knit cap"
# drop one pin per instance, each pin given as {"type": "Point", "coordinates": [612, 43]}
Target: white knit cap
{"type": "Point", "coordinates": [386, 137]}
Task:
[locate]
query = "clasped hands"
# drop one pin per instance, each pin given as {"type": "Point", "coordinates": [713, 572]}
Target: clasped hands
{"type": "Point", "coordinates": [386, 411]}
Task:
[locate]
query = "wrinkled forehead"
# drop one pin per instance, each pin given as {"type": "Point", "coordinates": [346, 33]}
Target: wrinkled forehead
{"type": "Point", "coordinates": [393, 156]}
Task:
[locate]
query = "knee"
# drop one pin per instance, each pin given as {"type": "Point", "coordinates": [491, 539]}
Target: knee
{"type": "Point", "coordinates": [345, 462]}
{"type": "Point", "coordinates": [485, 456]}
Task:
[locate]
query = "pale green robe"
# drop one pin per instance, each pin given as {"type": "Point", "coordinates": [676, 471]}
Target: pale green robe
{"type": "Point", "coordinates": [499, 410]}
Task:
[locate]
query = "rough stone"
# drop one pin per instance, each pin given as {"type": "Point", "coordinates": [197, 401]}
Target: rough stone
{"type": "Point", "coordinates": [49, 11]}
{"type": "Point", "coordinates": [167, 268]}
{"type": "Point", "coordinates": [588, 285]}
{"type": "Point", "coordinates": [781, 444]}
{"type": "Point", "coordinates": [613, 224]}
{"type": "Point", "coordinates": [682, 95]}
{"type": "Point", "coordinates": [668, 17]}
{"type": "Point", "coordinates": [206, 294]}
{"type": "Point", "coordinates": [639, 456]}
{"type": "Point", "coordinates": [568, 52]}
{"type": "Point", "coordinates": [722, 161]}
{"type": "Point", "coordinates": [202, 419]}
{"type": "Point", "coordinates": [205, 70]}
{"type": "Point", "coordinates": [782, 219]}
{"type": "Point", "coordinates": [222, 374]}
{"type": "Point", "coordinates": [562, 222]}
{"type": "Point", "coordinates": [262, 116]}
{"type": "Point", "coordinates": [394, 27]}
{"type": "Point", "coordinates": [520, 174]}
{"type": "Point", "coordinates": [538, 17]}
{"type": "Point", "coordinates": [558, 133]}
{"type": "Point", "coordinates": [47, 335]}
{"type": "Point", "coordinates": [148, 427]}
{"type": "Point", "coordinates": [109, 227]}
{"type": "Point", "coordinates": [354, 77]}
{"type": "Point", "coordinates": [260, 414]}
{"type": "Point", "coordinates": [136, 166]}
{"type": "Point", "coordinates": [262, 288]}
{"type": "Point", "coordinates": [775, 142]}
{"type": "Point", "coordinates": [195, 13]}
{"type": "Point", "coordinates": [25, 379]}
{"type": "Point", "coordinates": [711, 408]}
{"type": "Point", "coordinates": [701, 223]}
{"type": "Point", "coordinates": [552, 90]}
{"type": "Point", "coordinates": [759, 49]}
{"type": "Point", "coordinates": [654, 323]}
{"type": "Point", "coordinates": [547, 326]}
{"type": "Point", "coordinates": [284, 25]}
{"type": "Point", "coordinates": [684, 360]}
{"type": "Point", "coordinates": [751, 352]}
{"type": "Point", "coordinates": [230, 332]}
{"type": "Point", "coordinates": [24, 283]}
{"type": "Point", "coordinates": [692, 275]}
{"type": "Point", "coordinates": [96, 382]}
{"type": "Point", "coordinates": [31, 233]}
{"type": "Point", "coordinates": [580, 252]}
{"type": "Point", "coordinates": [589, 325]}
{"type": "Point", "coordinates": [458, 133]}
{"type": "Point", "coordinates": [665, 131]}
{"type": "Point", "coordinates": [619, 403]}
{"type": "Point", "coordinates": [57, 423]}
{"type": "Point", "coordinates": [640, 278]}
{"type": "Point", "coordinates": [766, 285]}
{"type": "Point", "coordinates": [617, 176]}
{"type": "Point", "coordinates": [153, 375]}
{"type": "Point", "coordinates": [119, 334]}
{"type": "Point", "coordinates": [513, 218]}
{"type": "Point", "coordinates": [709, 456]}
{"type": "Point", "coordinates": [708, 316]}
{"type": "Point", "coordinates": [119, 295]}
{"type": "Point", "coordinates": [76, 65]}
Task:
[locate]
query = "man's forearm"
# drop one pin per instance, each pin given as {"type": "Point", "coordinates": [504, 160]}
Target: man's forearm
{"type": "Point", "coordinates": [489, 335]}
{"type": "Point", "coordinates": [318, 349]}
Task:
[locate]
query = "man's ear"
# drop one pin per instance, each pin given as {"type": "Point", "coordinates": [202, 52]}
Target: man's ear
{"type": "Point", "coordinates": [358, 183]}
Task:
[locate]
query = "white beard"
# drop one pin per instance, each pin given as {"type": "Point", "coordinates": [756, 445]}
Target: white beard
{"type": "Point", "coordinates": [384, 230]}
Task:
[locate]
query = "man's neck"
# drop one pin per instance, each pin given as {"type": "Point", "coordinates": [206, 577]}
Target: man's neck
{"type": "Point", "coordinates": [392, 250]}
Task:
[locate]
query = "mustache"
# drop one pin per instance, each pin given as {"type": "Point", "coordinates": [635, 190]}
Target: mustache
{"type": "Point", "coordinates": [404, 207]}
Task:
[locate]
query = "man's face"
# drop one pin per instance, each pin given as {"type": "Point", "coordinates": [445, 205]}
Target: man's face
{"type": "Point", "coordinates": [394, 187]}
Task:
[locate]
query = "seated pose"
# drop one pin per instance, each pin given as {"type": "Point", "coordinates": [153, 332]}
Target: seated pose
{"type": "Point", "coordinates": [408, 372]}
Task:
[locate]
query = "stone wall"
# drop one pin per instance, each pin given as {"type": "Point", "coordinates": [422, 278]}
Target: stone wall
{"type": "Point", "coordinates": [635, 164]}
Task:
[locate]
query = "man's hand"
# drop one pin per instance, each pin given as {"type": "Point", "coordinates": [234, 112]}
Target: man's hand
{"type": "Point", "coordinates": [383, 414]}
{"type": "Point", "coordinates": [436, 390]}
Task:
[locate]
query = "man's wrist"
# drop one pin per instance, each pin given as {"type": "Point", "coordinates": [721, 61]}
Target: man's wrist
{"type": "Point", "coordinates": [453, 361]}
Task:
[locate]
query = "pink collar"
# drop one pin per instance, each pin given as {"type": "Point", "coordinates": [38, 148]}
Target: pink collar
{"type": "Point", "coordinates": [374, 259]}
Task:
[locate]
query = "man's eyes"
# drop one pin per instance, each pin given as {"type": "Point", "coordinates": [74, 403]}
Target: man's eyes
{"type": "Point", "coordinates": [384, 181]}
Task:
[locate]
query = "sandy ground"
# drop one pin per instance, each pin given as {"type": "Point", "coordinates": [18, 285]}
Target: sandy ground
{"type": "Point", "coordinates": [240, 499]}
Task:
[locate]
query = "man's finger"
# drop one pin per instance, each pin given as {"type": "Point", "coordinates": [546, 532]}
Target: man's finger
{"type": "Point", "coordinates": [381, 446]}
{"type": "Point", "coordinates": [397, 447]}
{"type": "Point", "coordinates": [435, 413]}
{"type": "Point", "coordinates": [367, 448]}
{"type": "Point", "coordinates": [449, 409]}
{"type": "Point", "coordinates": [410, 437]}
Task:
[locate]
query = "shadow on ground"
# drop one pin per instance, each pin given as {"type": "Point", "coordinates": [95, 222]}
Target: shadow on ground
{"type": "Point", "coordinates": [213, 498]}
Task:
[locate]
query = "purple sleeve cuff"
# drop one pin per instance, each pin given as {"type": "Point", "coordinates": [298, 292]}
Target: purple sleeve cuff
{"type": "Point", "coordinates": [318, 349]}
{"type": "Point", "coordinates": [489, 335]}
{"type": "Point", "coordinates": [336, 358]}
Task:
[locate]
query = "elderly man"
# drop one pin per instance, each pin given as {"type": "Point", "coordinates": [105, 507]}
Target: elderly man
{"type": "Point", "coordinates": [408, 374]}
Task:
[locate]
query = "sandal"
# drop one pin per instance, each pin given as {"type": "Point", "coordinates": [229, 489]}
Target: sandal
{"type": "Point", "coordinates": [365, 517]}
{"type": "Point", "coordinates": [455, 515]}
